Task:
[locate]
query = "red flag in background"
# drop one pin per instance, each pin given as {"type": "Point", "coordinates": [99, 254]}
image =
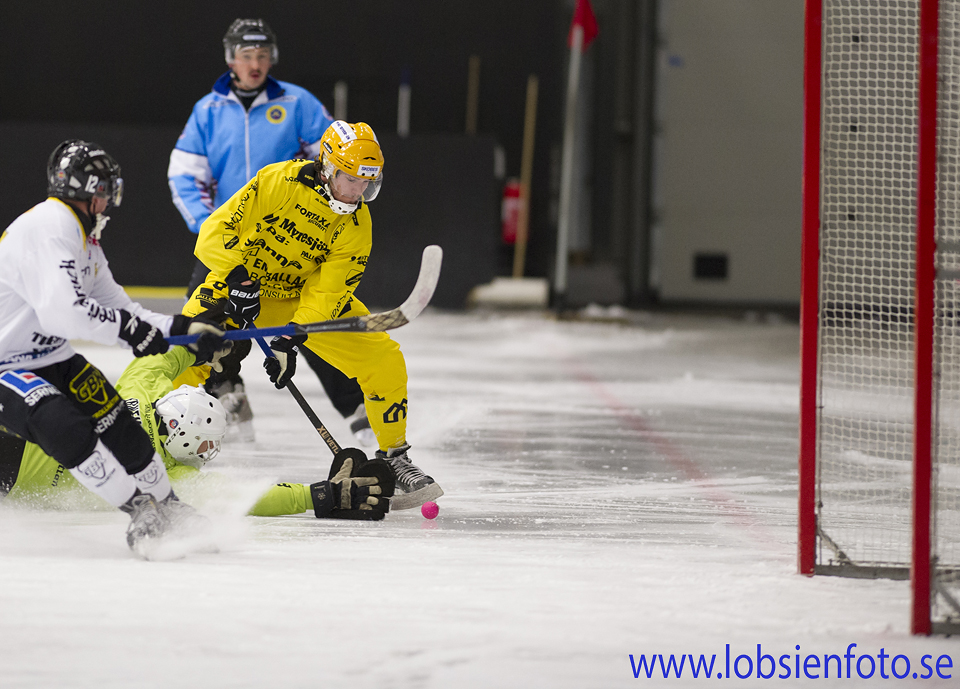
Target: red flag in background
{"type": "Point", "coordinates": [583, 16]}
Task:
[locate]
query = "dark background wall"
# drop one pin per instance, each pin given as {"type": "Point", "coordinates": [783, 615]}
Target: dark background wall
{"type": "Point", "coordinates": [148, 244]}
{"type": "Point", "coordinates": [128, 74]}
{"type": "Point", "coordinates": [132, 70]}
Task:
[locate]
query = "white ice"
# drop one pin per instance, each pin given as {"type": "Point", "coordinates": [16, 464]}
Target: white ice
{"type": "Point", "coordinates": [612, 488]}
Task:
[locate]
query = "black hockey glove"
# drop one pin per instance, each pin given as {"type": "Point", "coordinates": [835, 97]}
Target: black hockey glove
{"type": "Point", "coordinates": [243, 302]}
{"type": "Point", "coordinates": [210, 347]}
{"type": "Point", "coordinates": [283, 364]}
{"type": "Point", "coordinates": [349, 497]}
{"type": "Point", "coordinates": [142, 337]}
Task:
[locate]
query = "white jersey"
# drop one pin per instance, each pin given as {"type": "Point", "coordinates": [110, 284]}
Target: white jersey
{"type": "Point", "coordinates": [55, 285]}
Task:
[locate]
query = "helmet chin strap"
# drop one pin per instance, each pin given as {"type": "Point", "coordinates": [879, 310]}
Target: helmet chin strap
{"type": "Point", "coordinates": [101, 222]}
{"type": "Point", "coordinates": [339, 207]}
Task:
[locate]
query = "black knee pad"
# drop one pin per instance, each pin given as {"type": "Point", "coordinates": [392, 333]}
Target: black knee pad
{"type": "Point", "coordinates": [61, 430]}
{"type": "Point", "coordinates": [127, 440]}
{"type": "Point", "coordinates": [11, 453]}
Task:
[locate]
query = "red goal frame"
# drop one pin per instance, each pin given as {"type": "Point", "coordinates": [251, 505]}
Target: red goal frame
{"type": "Point", "coordinates": [926, 195]}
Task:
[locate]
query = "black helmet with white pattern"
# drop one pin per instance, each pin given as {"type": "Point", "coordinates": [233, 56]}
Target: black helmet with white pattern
{"type": "Point", "coordinates": [81, 170]}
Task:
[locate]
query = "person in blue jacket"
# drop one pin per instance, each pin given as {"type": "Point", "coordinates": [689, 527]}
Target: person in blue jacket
{"type": "Point", "coordinates": [250, 120]}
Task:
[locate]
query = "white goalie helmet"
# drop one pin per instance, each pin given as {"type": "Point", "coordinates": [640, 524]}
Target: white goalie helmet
{"type": "Point", "coordinates": [195, 423]}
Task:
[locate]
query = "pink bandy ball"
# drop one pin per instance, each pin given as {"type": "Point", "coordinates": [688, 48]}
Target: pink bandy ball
{"type": "Point", "coordinates": [430, 510]}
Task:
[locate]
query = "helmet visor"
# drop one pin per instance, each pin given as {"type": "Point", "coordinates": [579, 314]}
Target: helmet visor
{"type": "Point", "coordinates": [115, 195]}
{"type": "Point", "coordinates": [370, 193]}
{"type": "Point", "coordinates": [110, 189]}
{"type": "Point", "coordinates": [350, 189]}
{"type": "Point", "coordinates": [233, 50]}
{"type": "Point", "coordinates": [104, 180]}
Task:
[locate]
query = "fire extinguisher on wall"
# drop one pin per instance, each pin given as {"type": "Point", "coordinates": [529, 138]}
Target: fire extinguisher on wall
{"type": "Point", "coordinates": [510, 211]}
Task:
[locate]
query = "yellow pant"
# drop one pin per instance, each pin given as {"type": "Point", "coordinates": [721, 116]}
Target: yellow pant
{"type": "Point", "coordinates": [374, 359]}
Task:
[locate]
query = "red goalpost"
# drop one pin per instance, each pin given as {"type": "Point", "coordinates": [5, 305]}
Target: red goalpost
{"type": "Point", "coordinates": [879, 465]}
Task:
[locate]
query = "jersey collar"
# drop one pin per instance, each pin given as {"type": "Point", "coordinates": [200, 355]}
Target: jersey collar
{"type": "Point", "coordinates": [222, 86]}
{"type": "Point", "coordinates": [83, 220]}
{"type": "Point", "coordinates": [308, 176]}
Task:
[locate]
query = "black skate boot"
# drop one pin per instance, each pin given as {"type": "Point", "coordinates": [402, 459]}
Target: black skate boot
{"type": "Point", "coordinates": [413, 486]}
{"type": "Point", "coordinates": [182, 518]}
{"type": "Point", "coordinates": [188, 524]}
{"type": "Point", "coordinates": [147, 523]}
{"type": "Point", "coordinates": [360, 427]}
{"type": "Point", "coordinates": [233, 397]}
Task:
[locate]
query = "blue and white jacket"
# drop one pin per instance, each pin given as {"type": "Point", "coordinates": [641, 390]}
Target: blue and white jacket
{"type": "Point", "coordinates": [223, 145]}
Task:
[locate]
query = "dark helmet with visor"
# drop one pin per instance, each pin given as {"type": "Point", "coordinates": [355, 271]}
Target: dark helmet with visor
{"type": "Point", "coordinates": [81, 170]}
{"type": "Point", "coordinates": [249, 33]}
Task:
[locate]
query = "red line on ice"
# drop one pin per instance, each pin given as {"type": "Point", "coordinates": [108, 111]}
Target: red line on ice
{"type": "Point", "coordinates": [726, 501]}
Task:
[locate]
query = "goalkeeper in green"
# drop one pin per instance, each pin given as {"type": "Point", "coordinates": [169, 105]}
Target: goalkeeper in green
{"type": "Point", "coordinates": [186, 426]}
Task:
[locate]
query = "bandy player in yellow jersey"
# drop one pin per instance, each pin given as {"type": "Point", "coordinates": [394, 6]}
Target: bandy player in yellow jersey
{"type": "Point", "coordinates": [301, 232]}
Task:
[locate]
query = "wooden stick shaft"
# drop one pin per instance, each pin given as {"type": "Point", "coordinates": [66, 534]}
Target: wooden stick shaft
{"type": "Point", "coordinates": [526, 176]}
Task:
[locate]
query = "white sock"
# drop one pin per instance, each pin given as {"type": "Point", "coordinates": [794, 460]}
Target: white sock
{"type": "Point", "coordinates": [154, 479]}
{"type": "Point", "coordinates": [102, 473]}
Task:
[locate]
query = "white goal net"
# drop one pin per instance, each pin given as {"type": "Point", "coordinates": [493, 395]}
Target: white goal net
{"type": "Point", "coordinates": [867, 286]}
{"type": "Point", "coordinates": [868, 221]}
{"type": "Point", "coordinates": [946, 379]}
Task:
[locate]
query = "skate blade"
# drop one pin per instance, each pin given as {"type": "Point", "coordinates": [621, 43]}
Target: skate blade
{"type": "Point", "coordinates": [407, 501]}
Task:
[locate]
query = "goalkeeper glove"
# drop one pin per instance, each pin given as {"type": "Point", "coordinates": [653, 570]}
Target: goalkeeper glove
{"type": "Point", "coordinates": [347, 496]}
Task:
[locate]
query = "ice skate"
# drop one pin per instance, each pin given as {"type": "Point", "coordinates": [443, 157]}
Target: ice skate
{"type": "Point", "coordinates": [183, 519]}
{"type": "Point", "coordinates": [233, 397]}
{"type": "Point", "coordinates": [360, 427]}
{"type": "Point", "coordinates": [413, 486]}
{"type": "Point", "coordinates": [147, 524]}
{"type": "Point", "coordinates": [192, 530]}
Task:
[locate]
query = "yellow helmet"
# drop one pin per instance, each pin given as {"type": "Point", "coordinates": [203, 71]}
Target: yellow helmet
{"type": "Point", "coordinates": [353, 150]}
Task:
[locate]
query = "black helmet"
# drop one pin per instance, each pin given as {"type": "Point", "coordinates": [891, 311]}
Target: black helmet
{"type": "Point", "coordinates": [81, 170]}
{"type": "Point", "coordinates": [249, 33]}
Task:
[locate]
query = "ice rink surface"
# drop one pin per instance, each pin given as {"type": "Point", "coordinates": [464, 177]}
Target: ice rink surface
{"type": "Point", "coordinates": [612, 488]}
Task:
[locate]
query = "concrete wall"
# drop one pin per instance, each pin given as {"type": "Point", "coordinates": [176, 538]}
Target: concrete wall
{"type": "Point", "coordinates": [727, 172]}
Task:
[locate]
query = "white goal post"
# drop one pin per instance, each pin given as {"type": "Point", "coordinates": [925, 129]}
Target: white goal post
{"type": "Point", "coordinates": [879, 487]}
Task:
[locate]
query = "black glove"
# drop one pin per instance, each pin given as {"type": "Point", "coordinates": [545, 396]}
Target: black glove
{"type": "Point", "coordinates": [144, 338]}
{"type": "Point", "coordinates": [283, 364]}
{"type": "Point", "coordinates": [243, 302]}
{"type": "Point", "coordinates": [210, 347]}
{"type": "Point", "coordinates": [349, 497]}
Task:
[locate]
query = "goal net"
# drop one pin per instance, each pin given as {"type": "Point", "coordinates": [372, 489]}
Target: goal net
{"type": "Point", "coordinates": [880, 370]}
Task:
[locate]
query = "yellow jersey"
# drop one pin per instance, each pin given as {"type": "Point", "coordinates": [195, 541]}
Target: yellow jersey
{"type": "Point", "coordinates": [282, 229]}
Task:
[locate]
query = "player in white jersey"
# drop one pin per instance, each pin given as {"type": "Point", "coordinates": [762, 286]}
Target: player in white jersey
{"type": "Point", "coordinates": [55, 285]}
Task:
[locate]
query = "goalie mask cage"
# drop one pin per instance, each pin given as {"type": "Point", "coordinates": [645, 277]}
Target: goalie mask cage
{"type": "Point", "coordinates": [879, 490]}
